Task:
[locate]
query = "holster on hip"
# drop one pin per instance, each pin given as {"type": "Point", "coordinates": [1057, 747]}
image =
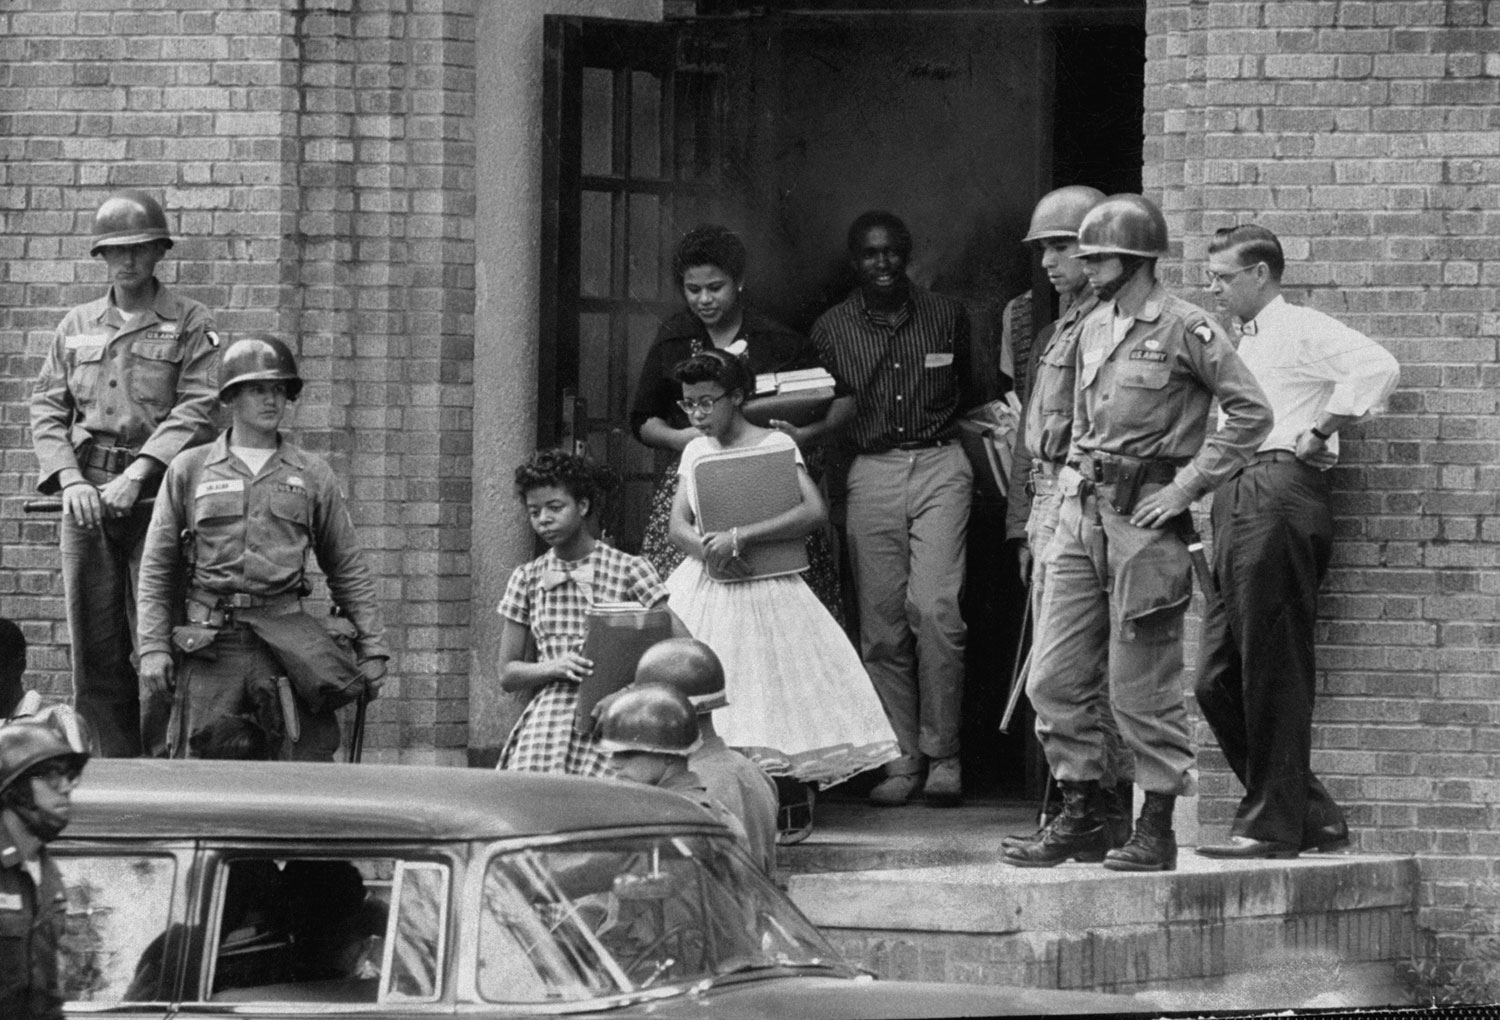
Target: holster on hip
{"type": "Point", "coordinates": [1125, 487]}
{"type": "Point", "coordinates": [323, 675]}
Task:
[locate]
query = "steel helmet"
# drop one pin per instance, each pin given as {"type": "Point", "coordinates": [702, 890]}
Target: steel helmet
{"type": "Point", "coordinates": [688, 665]}
{"type": "Point", "coordinates": [1124, 225]}
{"type": "Point", "coordinates": [30, 742]}
{"type": "Point", "coordinates": [652, 717]}
{"type": "Point", "coordinates": [129, 217]}
{"type": "Point", "coordinates": [1060, 212]}
{"type": "Point", "coordinates": [257, 357]}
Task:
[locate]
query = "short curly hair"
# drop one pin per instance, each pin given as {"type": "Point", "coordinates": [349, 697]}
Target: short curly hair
{"type": "Point", "coordinates": [867, 221]}
{"type": "Point", "coordinates": [714, 366]}
{"type": "Point", "coordinates": [709, 244]}
{"type": "Point", "coordinates": [579, 476]}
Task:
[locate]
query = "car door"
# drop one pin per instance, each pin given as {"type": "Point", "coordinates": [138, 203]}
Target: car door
{"type": "Point", "coordinates": [126, 927]}
{"type": "Point", "coordinates": [296, 930]}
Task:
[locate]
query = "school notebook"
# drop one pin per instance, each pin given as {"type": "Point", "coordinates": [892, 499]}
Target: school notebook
{"type": "Point", "coordinates": [618, 635]}
{"type": "Point", "coordinates": [741, 487]}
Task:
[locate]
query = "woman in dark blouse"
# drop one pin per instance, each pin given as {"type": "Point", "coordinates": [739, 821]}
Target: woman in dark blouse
{"type": "Point", "coordinates": [710, 265]}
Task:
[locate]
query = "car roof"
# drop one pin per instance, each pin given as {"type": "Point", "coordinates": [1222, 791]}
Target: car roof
{"type": "Point", "coordinates": [302, 800]}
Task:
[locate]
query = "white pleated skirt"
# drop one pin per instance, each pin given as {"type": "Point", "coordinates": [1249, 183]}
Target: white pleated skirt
{"type": "Point", "coordinates": [800, 701]}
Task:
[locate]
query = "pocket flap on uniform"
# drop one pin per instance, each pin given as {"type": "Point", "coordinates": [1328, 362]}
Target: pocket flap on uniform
{"type": "Point", "coordinates": [158, 350]}
{"type": "Point", "coordinates": [1154, 579]}
{"type": "Point", "coordinates": [1145, 377]}
{"type": "Point", "coordinates": [88, 353]}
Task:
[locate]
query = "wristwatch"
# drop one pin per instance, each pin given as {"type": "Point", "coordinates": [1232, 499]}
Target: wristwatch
{"type": "Point", "coordinates": [1324, 436]}
{"type": "Point", "coordinates": [136, 472]}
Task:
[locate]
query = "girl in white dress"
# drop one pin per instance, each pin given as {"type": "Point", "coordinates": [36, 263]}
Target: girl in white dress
{"type": "Point", "coordinates": [800, 702]}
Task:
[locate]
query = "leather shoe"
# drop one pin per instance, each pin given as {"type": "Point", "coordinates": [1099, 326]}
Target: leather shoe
{"type": "Point", "coordinates": [1243, 848]}
{"type": "Point", "coordinates": [1326, 839]}
{"type": "Point", "coordinates": [893, 791]}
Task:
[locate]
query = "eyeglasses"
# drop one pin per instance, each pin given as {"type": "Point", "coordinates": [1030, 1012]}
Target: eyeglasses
{"type": "Point", "coordinates": [62, 776]}
{"type": "Point", "coordinates": [703, 405]}
{"type": "Point", "coordinates": [1210, 277]}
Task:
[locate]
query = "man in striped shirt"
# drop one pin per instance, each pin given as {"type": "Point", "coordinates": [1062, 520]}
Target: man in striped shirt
{"type": "Point", "coordinates": [904, 354]}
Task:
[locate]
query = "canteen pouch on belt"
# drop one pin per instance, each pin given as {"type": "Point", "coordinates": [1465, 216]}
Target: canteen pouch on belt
{"type": "Point", "coordinates": [195, 639]}
{"type": "Point", "coordinates": [324, 675]}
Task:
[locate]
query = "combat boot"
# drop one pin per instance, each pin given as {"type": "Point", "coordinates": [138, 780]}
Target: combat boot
{"type": "Point", "coordinates": [1078, 834]}
{"type": "Point", "coordinates": [1118, 803]}
{"type": "Point", "coordinates": [1153, 845]}
{"type": "Point", "coordinates": [1051, 808]}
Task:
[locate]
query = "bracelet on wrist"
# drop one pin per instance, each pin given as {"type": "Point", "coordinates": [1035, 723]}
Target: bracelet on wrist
{"type": "Point", "coordinates": [1324, 436]}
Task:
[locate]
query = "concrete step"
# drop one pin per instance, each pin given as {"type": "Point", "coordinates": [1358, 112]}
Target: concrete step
{"type": "Point", "coordinates": [920, 894]}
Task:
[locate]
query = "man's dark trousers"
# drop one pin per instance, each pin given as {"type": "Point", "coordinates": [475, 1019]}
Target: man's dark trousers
{"type": "Point", "coordinates": [1273, 534]}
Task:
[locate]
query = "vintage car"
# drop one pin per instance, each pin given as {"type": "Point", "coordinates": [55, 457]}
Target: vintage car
{"type": "Point", "coordinates": [249, 889]}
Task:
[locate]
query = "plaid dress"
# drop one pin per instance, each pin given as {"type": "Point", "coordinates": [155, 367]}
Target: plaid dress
{"type": "Point", "coordinates": [543, 739]}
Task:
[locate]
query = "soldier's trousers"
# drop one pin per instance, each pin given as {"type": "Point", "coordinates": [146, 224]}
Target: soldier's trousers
{"type": "Point", "coordinates": [1117, 592]}
{"type": "Point", "coordinates": [210, 689]}
{"type": "Point", "coordinates": [1273, 536]}
{"type": "Point", "coordinates": [100, 568]}
{"type": "Point", "coordinates": [1041, 525]}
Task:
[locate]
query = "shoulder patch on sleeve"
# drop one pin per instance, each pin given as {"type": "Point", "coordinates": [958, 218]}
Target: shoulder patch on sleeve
{"type": "Point", "coordinates": [213, 338]}
{"type": "Point", "coordinates": [1203, 331]}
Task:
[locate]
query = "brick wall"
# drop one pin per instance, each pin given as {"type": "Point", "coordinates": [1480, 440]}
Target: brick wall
{"type": "Point", "coordinates": [1366, 135]}
{"type": "Point", "coordinates": [317, 165]}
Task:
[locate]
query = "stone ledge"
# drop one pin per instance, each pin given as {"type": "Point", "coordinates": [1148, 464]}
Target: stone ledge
{"type": "Point", "coordinates": [994, 898]}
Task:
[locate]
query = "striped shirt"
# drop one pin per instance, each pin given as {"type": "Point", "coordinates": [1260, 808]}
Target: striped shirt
{"type": "Point", "coordinates": [908, 370]}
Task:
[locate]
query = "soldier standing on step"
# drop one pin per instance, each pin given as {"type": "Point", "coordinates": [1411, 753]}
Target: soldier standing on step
{"type": "Point", "coordinates": [1119, 576]}
{"type": "Point", "coordinates": [127, 384]}
{"type": "Point", "coordinates": [1042, 453]}
{"type": "Point", "coordinates": [239, 517]}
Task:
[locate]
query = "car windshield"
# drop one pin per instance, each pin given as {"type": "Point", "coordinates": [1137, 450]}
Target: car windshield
{"type": "Point", "coordinates": [616, 916]}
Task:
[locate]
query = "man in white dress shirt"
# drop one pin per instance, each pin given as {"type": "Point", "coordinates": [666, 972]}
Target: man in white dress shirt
{"type": "Point", "coordinates": [1273, 533]}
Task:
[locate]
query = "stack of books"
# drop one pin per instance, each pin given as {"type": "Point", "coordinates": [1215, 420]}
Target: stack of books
{"type": "Point", "coordinates": [800, 396]}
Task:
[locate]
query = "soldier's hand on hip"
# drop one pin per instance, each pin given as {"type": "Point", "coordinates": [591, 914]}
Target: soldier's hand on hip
{"type": "Point", "coordinates": [156, 673]}
{"type": "Point", "coordinates": [81, 503]}
{"type": "Point", "coordinates": [119, 495]}
{"type": "Point", "coordinates": [1161, 506]}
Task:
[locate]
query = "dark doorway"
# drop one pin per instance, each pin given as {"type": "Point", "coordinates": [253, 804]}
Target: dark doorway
{"type": "Point", "coordinates": [783, 121]}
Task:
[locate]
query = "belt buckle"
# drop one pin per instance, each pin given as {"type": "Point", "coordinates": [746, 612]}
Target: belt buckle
{"type": "Point", "coordinates": [239, 600]}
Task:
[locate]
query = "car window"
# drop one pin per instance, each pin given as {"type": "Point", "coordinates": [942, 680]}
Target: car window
{"type": "Point", "coordinates": [608, 917]}
{"type": "Point", "coordinates": [118, 917]}
{"type": "Point", "coordinates": [323, 929]}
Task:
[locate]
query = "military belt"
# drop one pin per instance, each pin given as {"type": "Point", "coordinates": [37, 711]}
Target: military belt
{"type": "Point", "coordinates": [1105, 469]}
{"type": "Point", "coordinates": [112, 459]}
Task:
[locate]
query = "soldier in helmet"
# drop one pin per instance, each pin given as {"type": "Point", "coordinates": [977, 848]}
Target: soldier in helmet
{"type": "Point", "coordinates": [729, 777]}
{"type": "Point", "coordinates": [127, 384]}
{"type": "Point", "coordinates": [650, 732]}
{"type": "Point", "coordinates": [1047, 389]}
{"type": "Point", "coordinates": [38, 771]}
{"type": "Point", "coordinates": [1119, 577]}
{"type": "Point", "coordinates": [238, 517]}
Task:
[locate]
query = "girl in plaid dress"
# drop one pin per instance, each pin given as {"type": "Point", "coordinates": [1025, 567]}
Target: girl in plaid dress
{"type": "Point", "coordinates": [545, 609]}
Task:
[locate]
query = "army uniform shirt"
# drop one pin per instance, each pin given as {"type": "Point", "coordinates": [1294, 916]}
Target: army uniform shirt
{"type": "Point", "coordinates": [1145, 386]}
{"type": "Point", "coordinates": [252, 536]}
{"type": "Point", "coordinates": [149, 384]}
{"type": "Point", "coordinates": [31, 925]}
{"type": "Point", "coordinates": [1047, 426]}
